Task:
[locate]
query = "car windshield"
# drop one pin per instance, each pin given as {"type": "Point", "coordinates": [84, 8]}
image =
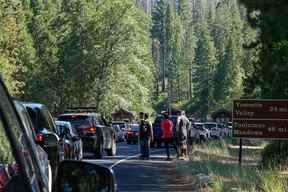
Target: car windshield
{"type": "Point", "coordinates": [75, 120]}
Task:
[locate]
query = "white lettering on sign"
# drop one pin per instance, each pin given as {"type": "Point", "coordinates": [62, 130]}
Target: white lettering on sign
{"type": "Point", "coordinates": [278, 109]}
{"type": "Point", "coordinates": [249, 105]}
{"type": "Point", "coordinates": [249, 125]}
{"type": "Point", "coordinates": [244, 113]}
{"type": "Point", "coordinates": [271, 129]}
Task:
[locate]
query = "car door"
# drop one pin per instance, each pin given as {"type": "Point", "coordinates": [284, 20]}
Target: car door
{"type": "Point", "coordinates": [16, 155]}
{"type": "Point", "coordinates": [107, 142]}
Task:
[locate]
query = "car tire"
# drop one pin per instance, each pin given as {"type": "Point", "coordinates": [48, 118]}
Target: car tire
{"type": "Point", "coordinates": [112, 151]}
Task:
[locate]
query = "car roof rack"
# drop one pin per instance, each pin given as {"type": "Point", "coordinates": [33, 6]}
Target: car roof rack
{"type": "Point", "coordinates": [81, 110]}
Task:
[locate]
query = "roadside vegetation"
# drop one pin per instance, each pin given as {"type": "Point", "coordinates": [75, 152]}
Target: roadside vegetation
{"type": "Point", "coordinates": [218, 159]}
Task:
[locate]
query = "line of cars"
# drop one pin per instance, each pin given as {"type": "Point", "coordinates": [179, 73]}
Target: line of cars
{"type": "Point", "coordinates": [30, 158]}
{"type": "Point", "coordinates": [210, 130]}
{"type": "Point", "coordinates": [67, 138]}
{"type": "Point", "coordinates": [198, 130]}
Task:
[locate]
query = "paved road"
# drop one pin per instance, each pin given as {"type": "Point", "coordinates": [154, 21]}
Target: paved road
{"type": "Point", "coordinates": [155, 174]}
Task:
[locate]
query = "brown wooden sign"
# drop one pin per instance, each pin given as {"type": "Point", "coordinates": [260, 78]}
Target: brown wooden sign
{"type": "Point", "coordinates": [260, 119]}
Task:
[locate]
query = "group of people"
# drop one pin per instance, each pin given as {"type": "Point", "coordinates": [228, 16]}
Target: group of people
{"type": "Point", "coordinates": [178, 139]}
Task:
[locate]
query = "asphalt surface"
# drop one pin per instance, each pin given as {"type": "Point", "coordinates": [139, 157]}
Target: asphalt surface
{"type": "Point", "coordinates": [156, 174]}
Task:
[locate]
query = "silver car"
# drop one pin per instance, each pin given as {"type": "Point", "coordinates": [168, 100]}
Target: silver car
{"type": "Point", "coordinates": [120, 136]}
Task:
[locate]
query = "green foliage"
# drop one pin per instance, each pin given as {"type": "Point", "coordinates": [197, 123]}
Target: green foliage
{"type": "Point", "coordinates": [209, 68]}
{"type": "Point", "coordinates": [275, 155]}
{"type": "Point", "coordinates": [98, 53]}
{"type": "Point", "coordinates": [205, 59]}
{"type": "Point", "coordinates": [71, 53]}
{"type": "Point", "coordinates": [17, 54]}
{"type": "Point", "coordinates": [270, 79]}
{"type": "Point", "coordinates": [173, 32]}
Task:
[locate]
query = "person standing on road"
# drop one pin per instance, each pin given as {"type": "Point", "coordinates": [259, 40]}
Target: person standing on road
{"type": "Point", "coordinates": [145, 135]}
{"type": "Point", "coordinates": [167, 134]}
{"type": "Point", "coordinates": [182, 127]}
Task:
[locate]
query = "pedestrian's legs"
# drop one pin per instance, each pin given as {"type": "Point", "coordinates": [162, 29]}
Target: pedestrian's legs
{"type": "Point", "coordinates": [174, 144]}
{"type": "Point", "coordinates": [148, 148]}
{"type": "Point", "coordinates": [142, 148]}
{"type": "Point", "coordinates": [167, 148]}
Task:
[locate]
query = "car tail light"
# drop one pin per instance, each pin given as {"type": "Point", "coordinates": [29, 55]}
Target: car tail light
{"type": "Point", "coordinates": [91, 130]}
{"type": "Point", "coordinates": [39, 138]}
{"type": "Point", "coordinates": [129, 133]}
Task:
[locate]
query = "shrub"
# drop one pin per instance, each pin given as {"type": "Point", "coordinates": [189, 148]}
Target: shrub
{"type": "Point", "coordinates": [275, 155]}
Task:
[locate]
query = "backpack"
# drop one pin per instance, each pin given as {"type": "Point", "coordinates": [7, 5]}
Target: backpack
{"type": "Point", "coordinates": [144, 129]}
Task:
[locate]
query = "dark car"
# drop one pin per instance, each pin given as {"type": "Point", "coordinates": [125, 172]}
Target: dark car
{"type": "Point", "coordinates": [44, 127]}
{"type": "Point", "coordinates": [95, 133]}
{"type": "Point", "coordinates": [70, 140]}
{"type": "Point", "coordinates": [132, 134]}
{"type": "Point", "coordinates": [42, 157]}
{"type": "Point", "coordinates": [19, 170]}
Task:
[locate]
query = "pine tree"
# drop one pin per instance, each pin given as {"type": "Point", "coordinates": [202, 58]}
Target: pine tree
{"type": "Point", "coordinates": [158, 31]}
{"type": "Point", "coordinates": [205, 59]}
{"type": "Point", "coordinates": [173, 38]}
{"type": "Point", "coordinates": [229, 38]}
{"type": "Point", "coordinates": [188, 45]}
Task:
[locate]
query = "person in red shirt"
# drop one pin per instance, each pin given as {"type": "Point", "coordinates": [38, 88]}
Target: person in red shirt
{"type": "Point", "coordinates": [167, 134]}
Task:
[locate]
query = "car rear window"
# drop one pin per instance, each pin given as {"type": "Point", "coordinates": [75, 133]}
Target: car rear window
{"type": "Point", "coordinates": [41, 119]}
{"type": "Point", "coordinates": [121, 125]}
{"type": "Point", "coordinates": [134, 127]}
{"type": "Point", "coordinates": [75, 120]}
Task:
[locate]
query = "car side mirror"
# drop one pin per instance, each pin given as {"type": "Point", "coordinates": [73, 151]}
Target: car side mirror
{"type": "Point", "coordinates": [83, 176]}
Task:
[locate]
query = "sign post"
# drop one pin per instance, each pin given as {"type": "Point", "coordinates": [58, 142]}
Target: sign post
{"type": "Point", "coordinates": [265, 119]}
{"type": "Point", "coordinates": [240, 151]}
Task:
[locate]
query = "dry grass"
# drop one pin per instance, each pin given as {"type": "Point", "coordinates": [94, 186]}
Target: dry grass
{"type": "Point", "coordinates": [219, 160]}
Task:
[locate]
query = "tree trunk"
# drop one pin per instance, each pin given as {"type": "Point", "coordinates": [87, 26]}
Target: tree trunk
{"type": "Point", "coordinates": [190, 83]}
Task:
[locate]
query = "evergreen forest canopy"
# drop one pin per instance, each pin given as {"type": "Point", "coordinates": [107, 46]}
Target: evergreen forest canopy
{"type": "Point", "coordinates": [111, 54]}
